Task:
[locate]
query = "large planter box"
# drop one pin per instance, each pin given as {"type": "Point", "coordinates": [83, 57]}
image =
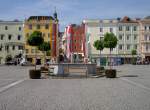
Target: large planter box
{"type": "Point", "coordinates": [100, 70]}
{"type": "Point", "coordinates": [111, 73]}
{"type": "Point", "coordinates": [35, 74]}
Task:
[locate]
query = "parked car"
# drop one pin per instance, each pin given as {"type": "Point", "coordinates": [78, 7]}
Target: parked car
{"type": "Point", "coordinates": [26, 63]}
{"type": "Point", "coordinates": [139, 62]}
{"type": "Point", "coordinates": [9, 63]}
{"type": "Point", "coordinates": [146, 62]}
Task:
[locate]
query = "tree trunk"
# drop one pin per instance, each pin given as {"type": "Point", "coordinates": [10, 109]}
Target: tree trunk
{"type": "Point", "coordinates": [44, 57]}
{"type": "Point", "coordinates": [100, 58]}
{"type": "Point", "coordinates": [110, 58]}
{"type": "Point", "coordinates": [35, 57]}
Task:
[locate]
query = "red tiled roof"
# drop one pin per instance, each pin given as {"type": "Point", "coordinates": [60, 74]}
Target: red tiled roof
{"type": "Point", "coordinates": [126, 19]}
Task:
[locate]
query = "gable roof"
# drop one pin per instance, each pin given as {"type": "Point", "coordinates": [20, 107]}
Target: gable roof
{"type": "Point", "coordinates": [40, 18]}
{"type": "Point", "coordinates": [126, 19]}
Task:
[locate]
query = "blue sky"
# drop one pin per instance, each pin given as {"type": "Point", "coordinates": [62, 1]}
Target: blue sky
{"type": "Point", "coordinates": [74, 11]}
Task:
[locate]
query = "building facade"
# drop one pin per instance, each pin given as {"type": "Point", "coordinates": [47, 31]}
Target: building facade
{"type": "Point", "coordinates": [74, 42]}
{"type": "Point", "coordinates": [49, 28]}
{"type": "Point", "coordinates": [11, 39]}
{"type": "Point", "coordinates": [127, 33]}
{"type": "Point", "coordinates": [145, 38]}
{"type": "Point", "coordinates": [95, 30]}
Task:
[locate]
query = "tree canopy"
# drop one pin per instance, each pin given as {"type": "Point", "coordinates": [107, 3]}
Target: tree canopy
{"type": "Point", "coordinates": [133, 52]}
{"type": "Point", "coordinates": [45, 46]}
{"type": "Point", "coordinates": [110, 40]}
{"type": "Point", "coordinates": [99, 45]}
{"type": "Point", "coordinates": [35, 39]}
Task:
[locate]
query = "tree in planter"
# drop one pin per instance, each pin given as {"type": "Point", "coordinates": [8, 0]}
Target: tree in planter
{"type": "Point", "coordinates": [35, 39]}
{"type": "Point", "coordinates": [133, 52]}
{"type": "Point", "coordinates": [44, 47]}
{"type": "Point", "coordinates": [99, 45]}
{"type": "Point", "coordinates": [110, 41]}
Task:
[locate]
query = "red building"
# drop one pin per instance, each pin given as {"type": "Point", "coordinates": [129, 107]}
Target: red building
{"type": "Point", "coordinates": [75, 42]}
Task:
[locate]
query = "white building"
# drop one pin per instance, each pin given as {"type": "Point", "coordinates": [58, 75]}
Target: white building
{"type": "Point", "coordinates": [11, 39]}
{"type": "Point", "coordinates": [95, 30]}
{"type": "Point", "coordinates": [127, 32]}
{"type": "Point", "coordinates": [128, 38]}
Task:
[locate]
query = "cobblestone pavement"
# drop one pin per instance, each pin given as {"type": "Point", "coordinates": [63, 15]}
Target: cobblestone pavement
{"type": "Point", "coordinates": [10, 74]}
{"type": "Point", "coordinates": [130, 91]}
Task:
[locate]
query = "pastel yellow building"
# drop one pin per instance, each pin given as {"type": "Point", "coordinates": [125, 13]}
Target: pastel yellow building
{"type": "Point", "coordinates": [44, 24]}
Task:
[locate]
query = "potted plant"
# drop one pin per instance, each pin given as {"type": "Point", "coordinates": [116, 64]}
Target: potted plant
{"type": "Point", "coordinates": [35, 39]}
{"type": "Point", "coordinates": [110, 41]}
{"type": "Point", "coordinates": [99, 45]}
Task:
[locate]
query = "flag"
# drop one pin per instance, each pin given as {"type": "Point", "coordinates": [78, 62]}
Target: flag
{"type": "Point", "coordinates": [68, 35]}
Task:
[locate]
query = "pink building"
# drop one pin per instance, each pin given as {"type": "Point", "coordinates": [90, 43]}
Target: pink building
{"type": "Point", "coordinates": [145, 38]}
{"type": "Point", "coordinates": [75, 42]}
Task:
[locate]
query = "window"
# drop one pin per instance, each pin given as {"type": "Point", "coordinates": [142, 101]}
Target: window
{"type": "Point", "coordinates": [101, 29]}
{"type": "Point", "coordinates": [146, 47]}
{"type": "Point", "coordinates": [46, 26]}
{"type": "Point", "coordinates": [1, 47]}
{"type": "Point", "coordinates": [27, 35]}
{"type": "Point", "coordinates": [48, 35]}
{"type": "Point", "coordinates": [9, 37]}
{"type": "Point", "coordinates": [32, 51]}
{"type": "Point", "coordinates": [145, 37]}
{"type": "Point", "coordinates": [30, 26]}
{"type": "Point", "coordinates": [38, 26]}
{"type": "Point", "coordinates": [127, 28]}
{"type": "Point", "coordinates": [27, 51]}
{"type": "Point", "coordinates": [120, 28]}
{"type": "Point", "coordinates": [135, 37]}
{"type": "Point", "coordinates": [20, 47]}
{"type": "Point", "coordinates": [128, 47]}
{"type": "Point", "coordinates": [120, 47]}
{"type": "Point", "coordinates": [19, 28]}
{"type": "Point", "coordinates": [135, 28]}
{"type": "Point", "coordinates": [135, 47]}
{"type": "Point", "coordinates": [19, 37]}
{"type": "Point", "coordinates": [120, 37]}
{"type": "Point", "coordinates": [145, 28]}
{"type": "Point", "coordinates": [75, 47]}
{"type": "Point", "coordinates": [6, 27]}
{"type": "Point", "coordinates": [81, 47]}
{"type": "Point", "coordinates": [13, 47]}
{"type": "Point", "coordinates": [111, 29]}
{"type": "Point", "coordinates": [2, 37]}
{"type": "Point", "coordinates": [43, 34]}
{"type": "Point", "coordinates": [128, 37]}
{"type": "Point", "coordinates": [101, 38]}
{"type": "Point", "coordinates": [7, 47]}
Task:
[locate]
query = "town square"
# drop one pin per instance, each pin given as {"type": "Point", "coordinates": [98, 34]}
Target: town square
{"type": "Point", "coordinates": [74, 55]}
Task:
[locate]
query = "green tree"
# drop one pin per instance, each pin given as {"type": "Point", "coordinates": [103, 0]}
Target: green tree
{"type": "Point", "coordinates": [133, 52]}
{"type": "Point", "coordinates": [44, 47]}
{"type": "Point", "coordinates": [110, 41]}
{"type": "Point", "coordinates": [35, 39]}
{"type": "Point", "coordinates": [99, 45]}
